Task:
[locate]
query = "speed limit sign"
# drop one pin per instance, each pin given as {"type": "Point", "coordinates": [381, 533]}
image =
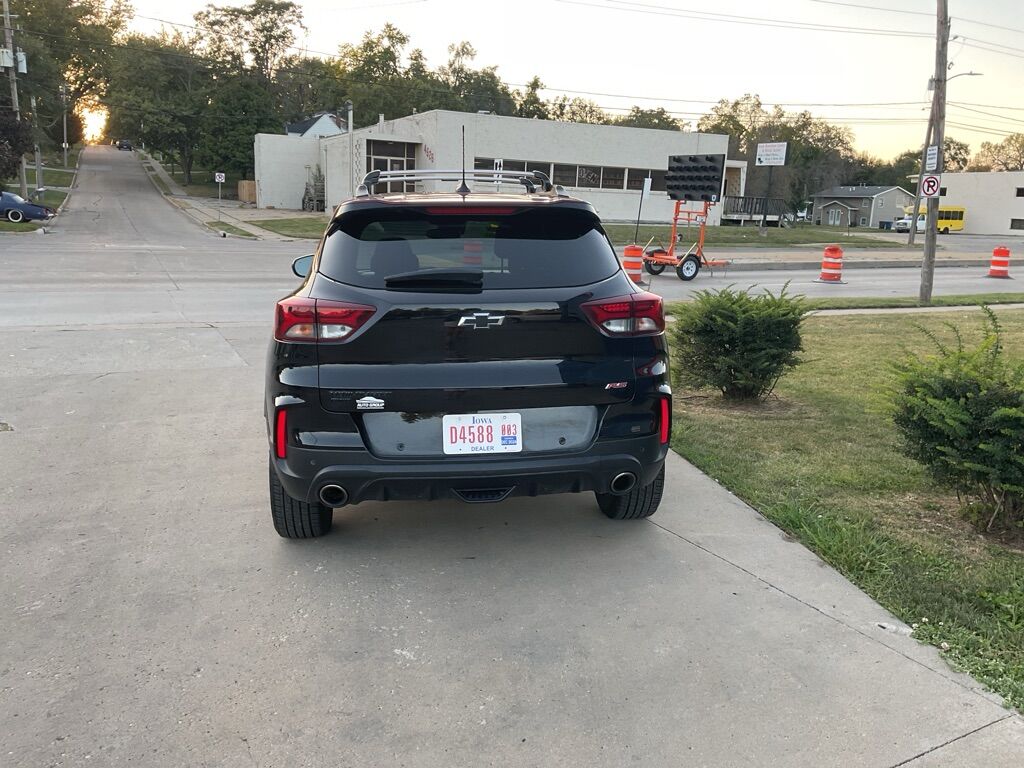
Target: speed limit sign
{"type": "Point", "coordinates": [931, 185]}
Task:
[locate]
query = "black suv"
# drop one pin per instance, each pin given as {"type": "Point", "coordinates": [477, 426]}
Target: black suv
{"type": "Point", "coordinates": [476, 346]}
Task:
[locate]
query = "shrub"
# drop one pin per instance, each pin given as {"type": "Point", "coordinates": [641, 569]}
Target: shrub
{"type": "Point", "coordinates": [737, 343]}
{"type": "Point", "coordinates": [960, 413]}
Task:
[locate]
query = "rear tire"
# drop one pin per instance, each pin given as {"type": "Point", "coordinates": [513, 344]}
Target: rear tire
{"type": "Point", "coordinates": [294, 519]}
{"type": "Point", "coordinates": [653, 267]}
{"type": "Point", "coordinates": [688, 269]}
{"type": "Point", "coordinates": [945, 230]}
{"type": "Point", "coordinates": [15, 216]}
{"type": "Point", "coordinates": [639, 502]}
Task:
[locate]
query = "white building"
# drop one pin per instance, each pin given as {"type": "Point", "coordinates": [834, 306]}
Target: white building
{"type": "Point", "coordinates": [605, 165]}
{"type": "Point", "coordinates": [994, 200]}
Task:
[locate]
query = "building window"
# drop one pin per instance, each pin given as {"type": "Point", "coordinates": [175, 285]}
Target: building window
{"type": "Point", "coordinates": [865, 203]}
{"type": "Point", "coordinates": [537, 165]}
{"type": "Point", "coordinates": [942, 191]}
{"type": "Point", "coordinates": [1020, 191]}
{"type": "Point", "coordinates": [483, 164]}
{"type": "Point", "coordinates": [863, 221]}
{"type": "Point", "coordinates": [565, 175]}
{"type": "Point", "coordinates": [392, 156]}
{"type": "Point", "coordinates": [588, 176]}
{"type": "Point", "coordinates": [613, 178]}
{"type": "Point", "coordinates": [635, 178]}
{"type": "Point", "coordinates": [881, 202]}
{"type": "Point", "coordinates": [514, 165]}
{"type": "Point", "coordinates": [1016, 223]}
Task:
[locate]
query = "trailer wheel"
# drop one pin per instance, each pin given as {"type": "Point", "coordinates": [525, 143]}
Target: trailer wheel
{"type": "Point", "coordinates": [689, 268]}
{"type": "Point", "coordinates": [654, 267]}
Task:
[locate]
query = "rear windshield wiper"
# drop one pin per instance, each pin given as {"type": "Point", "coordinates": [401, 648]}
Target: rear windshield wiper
{"type": "Point", "coordinates": [439, 280]}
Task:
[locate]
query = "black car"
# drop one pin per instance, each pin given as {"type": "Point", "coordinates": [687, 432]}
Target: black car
{"type": "Point", "coordinates": [125, 144]}
{"type": "Point", "coordinates": [466, 345]}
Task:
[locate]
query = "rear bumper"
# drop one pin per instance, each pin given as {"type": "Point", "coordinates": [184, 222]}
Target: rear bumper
{"type": "Point", "coordinates": [367, 478]}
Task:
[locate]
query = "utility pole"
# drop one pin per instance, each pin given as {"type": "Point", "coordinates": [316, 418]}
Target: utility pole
{"type": "Point", "coordinates": [12, 71]}
{"type": "Point", "coordinates": [64, 103]}
{"type": "Point", "coordinates": [35, 145]}
{"type": "Point", "coordinates": [938, 134]}
{"type": "Point", "coordinates": [924, 157]}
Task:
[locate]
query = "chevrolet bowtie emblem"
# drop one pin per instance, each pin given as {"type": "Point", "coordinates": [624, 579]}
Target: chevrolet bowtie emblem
{"type": "Point", "coordinates": [481, 321]}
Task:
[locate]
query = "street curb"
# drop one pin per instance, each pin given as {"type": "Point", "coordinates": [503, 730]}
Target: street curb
{"type": "Point", "coordinates": [879, 264]}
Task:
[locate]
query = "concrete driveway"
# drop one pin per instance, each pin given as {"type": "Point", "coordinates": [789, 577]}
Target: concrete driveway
{"type": "Point", "coordinates": [151, 617]}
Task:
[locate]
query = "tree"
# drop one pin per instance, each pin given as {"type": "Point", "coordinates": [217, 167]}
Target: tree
{"type": "Point", "coordinates": [65, 42]}
{"type": "Point", "coordinates": [477, 90]}
{"type": "Point", "coordinates": [650, 118]}
{"type": "Point", "coordinates": [159, 90]}
{"type": "Point", "coordinates": [955, 155]}
{"type": "Point", "coordinates": [577, 110]}
{"type": "Point", "coordinates": [1007, 155]}
{"type": "Point", "coordinates": [255, 36]}
{"type": "Point", "coordinates": [239, 108]}
{"type": "Point", "coordinates": [528, 101]}
{"type": "Point", "coordinates": [15, 141]}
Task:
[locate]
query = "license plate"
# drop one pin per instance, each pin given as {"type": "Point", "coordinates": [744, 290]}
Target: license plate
{"type": "Point", "coordinates": [482, 433]}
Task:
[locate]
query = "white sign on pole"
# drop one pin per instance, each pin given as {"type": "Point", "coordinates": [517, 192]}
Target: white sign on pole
{"type": "Point", "coordinates": [647, 188]}
{"type": "Point", "coordinates": [220, 178]}
{"type": "Point", "coordinates": [931, 160]}
{"type": "Point", "coordinates": [771, 153]}
{"type": "Point", "coordinates": [931, 185]}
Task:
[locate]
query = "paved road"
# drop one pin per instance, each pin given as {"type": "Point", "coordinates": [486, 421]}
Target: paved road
{"type": "Point", "coordinates": [151, 617]}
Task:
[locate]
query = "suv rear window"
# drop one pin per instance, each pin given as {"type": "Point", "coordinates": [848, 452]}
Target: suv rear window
{"type": "Point", "coordinates": [524, 248]}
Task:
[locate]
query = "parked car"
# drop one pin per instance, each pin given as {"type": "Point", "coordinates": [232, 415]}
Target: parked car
{"type": "Point", "coordinates": [16, 209]}
{"type": "Point", "coordinates": [471, 346]}
{"type": "Point", "coordinates": [903, 225]}
{"type": "Point", "coordinates": [125, 144]}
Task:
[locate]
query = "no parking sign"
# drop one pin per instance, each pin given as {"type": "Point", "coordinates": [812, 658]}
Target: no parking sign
{"type": "Point", "coordinates": [931, 184]}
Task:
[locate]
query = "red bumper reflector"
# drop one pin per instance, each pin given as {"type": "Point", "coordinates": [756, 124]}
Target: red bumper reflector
{"type": "Point", "coordinates": [665, 424]}
{"type": "Point", "coordinates": [281, 434]}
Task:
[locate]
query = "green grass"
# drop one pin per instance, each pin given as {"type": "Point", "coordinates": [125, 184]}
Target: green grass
{"type": "Point", "coordinates": [312, 228]}
{"type": "Point", "coordinates": [820, 459]}
{"type": "Point", "coordinates": [774, 237]}
{"type": "Point", "coordinates": [160, 183]}
{"type": "Point", "coordinates": [51, 197]}
{"type": "Point", "coordinates": [56, 177]}
{"type": "Point", "coordinates": [203, 184]}
{"type": "Point", "coordinates": [26, 226]}
{"type": "Point", "coordinates": [956, 300]}
{"type": "Point", "coordinates": [231, 229]}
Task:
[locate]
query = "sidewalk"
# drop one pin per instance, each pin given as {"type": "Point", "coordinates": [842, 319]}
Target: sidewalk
{"type": "Point", "coordinates": [204, 210]}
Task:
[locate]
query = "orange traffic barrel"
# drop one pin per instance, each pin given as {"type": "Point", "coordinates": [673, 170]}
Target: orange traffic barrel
{"type": "Point", "coordinates": [832, 265]}
{"type": "Point", "coordinates": [1000, 266]}
{"type": "Point", "coordinates": [473, 253]}
{"type": "Point", "coordinates": [633, 262]}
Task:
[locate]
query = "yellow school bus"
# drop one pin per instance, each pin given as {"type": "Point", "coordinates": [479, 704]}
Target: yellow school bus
{"type": "Point", "coordinates": [951, 218]}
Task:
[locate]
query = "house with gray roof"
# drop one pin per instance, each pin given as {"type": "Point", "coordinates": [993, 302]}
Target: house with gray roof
{"type": "Point", "coordinates": [320, 124]}
{"type": "Point", "coordinates": [860, 206]}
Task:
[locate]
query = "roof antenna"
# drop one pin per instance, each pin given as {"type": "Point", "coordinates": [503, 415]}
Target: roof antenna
{"type": "Point", "coordinates": [463, 189]}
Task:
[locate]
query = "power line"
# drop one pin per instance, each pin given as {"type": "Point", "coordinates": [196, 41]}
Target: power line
{"type": "Point", "coordinates": [917, 13]}
{"type": "Point", "coordinates": [661, 10]}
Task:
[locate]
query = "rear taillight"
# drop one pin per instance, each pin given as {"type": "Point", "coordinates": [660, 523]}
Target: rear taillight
{"type": "Point", "coordinates": [638, 314]}
{"type": "Point", "coordinates": [281, 434]}
{"type": "Point", "coordinates": [665, 422]}
{"type": "Point", "coordinates": [319, 320]}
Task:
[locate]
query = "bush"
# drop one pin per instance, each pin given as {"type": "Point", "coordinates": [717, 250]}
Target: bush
{"type": "Point", "coordinates": [737, 343]}
{"type": "Point", "coordinates": [960, 413]}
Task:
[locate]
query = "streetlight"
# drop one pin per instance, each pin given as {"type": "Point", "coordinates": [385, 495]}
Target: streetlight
{"type": "Point", "coordinates": [931, 80]}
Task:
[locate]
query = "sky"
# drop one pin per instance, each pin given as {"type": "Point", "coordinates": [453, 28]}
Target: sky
{"type": "Point", "coordinates": [685, 55]}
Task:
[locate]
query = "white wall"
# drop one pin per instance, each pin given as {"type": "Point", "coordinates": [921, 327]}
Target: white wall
{"type": "Point", "coordinates": [990, 199]}
{"type": "Point", "coordinates": [514, 138]}
{"type": "Point", "coordinates": [438, 135]}
{"type": "Point", "coordinates": [281, 168]}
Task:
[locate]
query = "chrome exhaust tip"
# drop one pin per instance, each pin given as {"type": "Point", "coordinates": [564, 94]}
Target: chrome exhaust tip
{"type": "Point", "coordinates": [333, 496]}
{"type": "Point", "coordinates": [623, 482]}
